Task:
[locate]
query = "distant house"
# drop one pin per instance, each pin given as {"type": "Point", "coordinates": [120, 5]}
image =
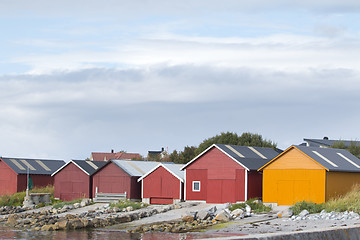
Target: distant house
{"type": "Point", "coordinates": [226, 173]}
{"type": "Point", "coordinates": [120, 176]}
{"type": "Point", "coordinates": [102, 156]}
{"type": "Point", "coordinates": [163, 184]}
{"type": "Point", "coordinates": [74, 179]}
{"type": "Point", "coordinates": [325, 142]}
{"type": "Point", "coordinates": [156, 155]}
{"type": "Point", "coordinates": [313, 174]}
{"type": "Point", "coordinates": [13, 173]}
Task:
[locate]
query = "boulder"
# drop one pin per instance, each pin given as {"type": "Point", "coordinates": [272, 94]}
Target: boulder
{"type": "Point", "coordinates": [47, 228]}
{"type": "Point", "coordinates": [203, 215]}
{"type": "Point", "coordinates": [247, 211]}
{"type": "Point", "coordinates": [129, 209]}
{"type": "Point", "coordinates": [76, 205]}
{"type": "Point", "coordinates": [238, 213]}
{"type": "Point", "coordinates": [188, 218]}
{"type": "Point", "coordinates": [223, 216]}
{"type": "Point", "coordinates": [12, 220]}
{"type": "Point", "coordinates": [63, 225]}
{"type": "Point", "coordinates": [304, 213]}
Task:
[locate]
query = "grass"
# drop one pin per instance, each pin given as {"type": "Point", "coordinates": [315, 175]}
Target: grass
{"type": "Point", "coordinates": [59, 204]}
{"type": "Point", "coordinates": [127, 203]}
{"type": "Point", "coordinates": [348, 202]}
{"type": "Point", "coordinates": [310, 206]}
{"type": "Point", "coordinates": [256, 206]}
{"type": "Point", "coordinates": [17, 199]}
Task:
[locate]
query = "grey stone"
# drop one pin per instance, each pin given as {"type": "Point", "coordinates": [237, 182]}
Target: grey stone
{"type": "Point", "coordinates": [223, 216]}
{"type": "Point", "coordinates": [237, 213]}
{"type": "Point", "coordinates": [304, 213]}
{"type": "Point", "coordinates": [203, 215]}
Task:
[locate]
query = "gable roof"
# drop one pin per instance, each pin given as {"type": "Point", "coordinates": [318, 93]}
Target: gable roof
{"type": "Point", "coordinates": [35, 166]}
{"type": "Point", "coordinates": [251, 158]}
{"type": "Point", "coordinates": [172, 168]}
{"type": "Point", "coordinates": [100, 156]}
{"type": "Point", "coordinates": [332, 159]}
{"type": "Point", "coordinates": [328, 143]}
{"type": "Point", "coordinates": [89, 167]}
{"type": "Point", "coordinates": [135, 168]}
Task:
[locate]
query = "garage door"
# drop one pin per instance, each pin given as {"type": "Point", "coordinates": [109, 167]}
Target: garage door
{"type": "Point", "coordinates": [221, 191]}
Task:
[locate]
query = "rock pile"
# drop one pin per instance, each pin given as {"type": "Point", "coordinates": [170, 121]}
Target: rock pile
{"type": "Point", "coordinates": [196, 220]}
{"type": "Point", "coordinates": [323, 215]}
{"type": "Point", "coordinates": [47, 220]}
{"type": "Point", "coordinates": [10, 210]}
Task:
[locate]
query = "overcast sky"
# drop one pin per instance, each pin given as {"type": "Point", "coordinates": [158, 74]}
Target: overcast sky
{"type": "Point", "coordinates": [83, 76]}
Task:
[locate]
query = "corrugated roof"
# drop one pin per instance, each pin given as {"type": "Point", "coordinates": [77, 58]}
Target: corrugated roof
{"type": "Point", "coordinates": [136, 168]}
{"type": "Point", "coordinates": [173, 168]}
{"type": "Point", "coordinates": [340, 159]}
{"type": "Point", "coordinates": [252, 158]}
{"type": "Point", "coordinates": [35, 166]}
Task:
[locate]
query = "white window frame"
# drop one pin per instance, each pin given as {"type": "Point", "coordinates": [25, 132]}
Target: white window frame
{"type": "Point", "coordinates": [193, 184]}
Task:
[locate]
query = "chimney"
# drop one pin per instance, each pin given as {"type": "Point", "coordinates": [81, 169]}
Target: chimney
{"type": "Point", "coordinates": [162, 149]}
{"type": "Point", "coordinates": [326, 138]}
{"type": "Point", "coordinates": [112, 150]}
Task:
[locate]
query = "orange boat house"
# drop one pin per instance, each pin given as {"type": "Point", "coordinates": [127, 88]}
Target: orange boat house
{"type": "Point", "coordinates": [309, 174]}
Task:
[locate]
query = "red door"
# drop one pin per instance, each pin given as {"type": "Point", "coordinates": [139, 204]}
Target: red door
{"type": "Point", "coordinates": [221, 191]}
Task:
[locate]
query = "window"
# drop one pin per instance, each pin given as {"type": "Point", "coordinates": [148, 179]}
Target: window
{"type": "Point", "coordinates": [196, 186]}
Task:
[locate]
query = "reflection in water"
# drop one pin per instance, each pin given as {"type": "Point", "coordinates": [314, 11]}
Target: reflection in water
{"type": "Point", "coordinates": [100, 234]}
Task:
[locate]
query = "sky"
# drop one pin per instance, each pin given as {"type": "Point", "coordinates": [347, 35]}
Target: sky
{"type": "Point", "coordinates": [89, 76]}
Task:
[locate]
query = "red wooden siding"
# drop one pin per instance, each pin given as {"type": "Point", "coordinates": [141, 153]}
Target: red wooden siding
{"type": "Point", "coordinates": [72, 183]}
{"type": "Point", "coordinates": [8, 179]}
{"type": "Point", "coordinates": [112, 179]}
{"type": "Point", "coordinates": [254, 184]}
{"type": "Point", "coordinates": [11, 182]}
{"type": "Point", "coordinates": [161, 187]}
{"type": "Point", "coordinates": [37, 179]}
{"type": "Point", "coordinates": [222, 179]}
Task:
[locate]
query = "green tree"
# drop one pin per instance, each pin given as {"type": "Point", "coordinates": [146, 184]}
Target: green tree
{"type": "Point", "coordinates": [353, 148]}
{"type": "Point", "coordinates": [246, 139]}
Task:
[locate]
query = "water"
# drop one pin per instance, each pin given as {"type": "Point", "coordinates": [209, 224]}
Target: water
{"type": "Point", "coordinates": [101, 234]}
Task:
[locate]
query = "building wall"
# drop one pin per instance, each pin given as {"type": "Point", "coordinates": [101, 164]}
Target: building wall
{"type": "Point", "coordinates": [255, 180]}
{"type": "Point", "coordinates": [288, 186]}
{"type": "Point", "coordinates": [8, 180]}
{"type": "Point", "coordinates": [112, 179]}
{"type": "Point", "coordinates": [37, 179]}
{"type": "Point", "coordinates": [222, 179]}
{"type": "Point", "coordinates": [340, 183]}
{"type": "Point", "coordinates": [161, 184]}
{"type": "Point", "coordinates": [72, 183]}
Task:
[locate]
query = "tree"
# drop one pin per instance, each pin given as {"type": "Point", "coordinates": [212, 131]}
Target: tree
{"type": "Point", "coordinates": [353, 148]}
{"type": "Point", "coordinates": [246, 139]}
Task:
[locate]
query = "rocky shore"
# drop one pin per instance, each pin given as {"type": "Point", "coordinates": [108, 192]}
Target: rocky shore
{"type": "Point", "coordinates": [50, 219]}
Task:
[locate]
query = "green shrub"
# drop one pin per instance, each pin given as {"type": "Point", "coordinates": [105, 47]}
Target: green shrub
{"type": "Point", "coordinates": [310, 206]}
{"type": "Point", "coordinates": [60, 204]}
{"type": "Point", "coordinates": [256, 206]}
{"type": "Point", "coordinates": [121, 204]}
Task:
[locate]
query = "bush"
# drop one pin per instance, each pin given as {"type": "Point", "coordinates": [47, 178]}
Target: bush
{"type": "Point", "coordinates": [17, 199]}
{"type": "Point", "coordinates": [60, 204]}
{"type": "Point", "coordinates": [310, 206]}
{"type": "Point", "coordinates": [121, 204]}
{"type": "Point", "coordinates": [255, 205]}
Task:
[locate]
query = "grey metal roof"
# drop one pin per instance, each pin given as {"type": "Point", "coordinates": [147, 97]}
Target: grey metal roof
{"type": "Point", "coordinates": [136, 168]}
{"type": "Point", "coordinates": [251, 159]}
{"type": "Point", "coordinates": [35, 166]}
{"type": "Point", "coordinates": [175, 169]}
{"type": "Point", "coordinates": [327, 142]}
{"type": "Point", "coordinates": [90, 167]}
{"type": "Point", "coordinates": [332, 158]}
